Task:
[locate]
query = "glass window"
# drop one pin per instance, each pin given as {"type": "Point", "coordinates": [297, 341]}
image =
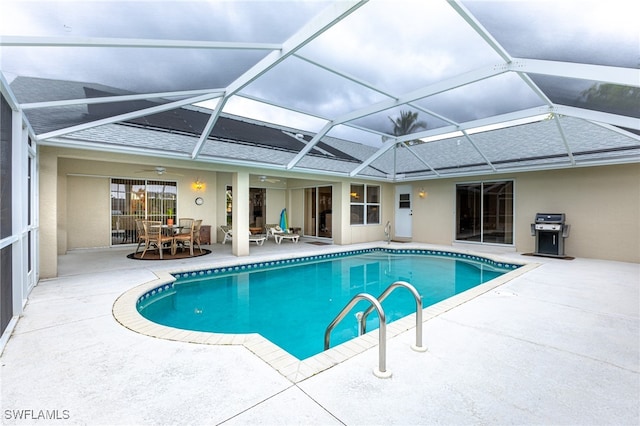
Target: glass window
{"type": "Point", "coordinates": [373, 214]}
{"type": "Point", "coordinates": [229, 205]}
{"type": "Point", "coordinates": [357, 193]}
{"type": "Point", "coordinates": [133, 199]}
{"type": "Point", "coordinates": [357, 214]}
{"type": "Point", "coordinates": [404, 201]}
{"type": "Point", "coordinates": [161, 200]}
{"type": "Point", "coordinates": [365, 199]}
{"type": "Point", "coordinates": [257, 207]}
{"type": "Point", "coordinates": [484, 212]}
{"type": "Point", "coordinates": [373, 194]}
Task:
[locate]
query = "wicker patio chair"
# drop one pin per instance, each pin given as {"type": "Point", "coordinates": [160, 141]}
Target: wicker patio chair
{"type": "Point", "coordinates": [155, 237]}
{"type": "Point", "coordinates": [142, 235]}
{"type": "Point", "coordinates": [184, 225]}
{"type": "Point", "coordinates": [197, 224]}
{"type": "Point", "coordinates": [186, 237]}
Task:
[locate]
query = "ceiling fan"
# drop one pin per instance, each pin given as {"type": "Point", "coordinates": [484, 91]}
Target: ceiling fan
{"type": "Point", "coordinates": [159, 170]}
{"type": "Point", "coordinates": [268, 179]}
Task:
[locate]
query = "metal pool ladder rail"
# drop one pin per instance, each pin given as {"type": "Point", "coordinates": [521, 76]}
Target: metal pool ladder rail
{"type": "Point", "coordinates": [381, 371]}
{"type": "Point", "coordinates": [382, 340]}
{"type": "Point", "coordinates": [416, 296]}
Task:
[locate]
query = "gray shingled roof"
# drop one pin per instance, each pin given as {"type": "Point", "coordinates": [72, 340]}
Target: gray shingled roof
{"type": "Point", "coordinates": [534, 144]}
{"type": "Point", "coordinates": [241, 140]}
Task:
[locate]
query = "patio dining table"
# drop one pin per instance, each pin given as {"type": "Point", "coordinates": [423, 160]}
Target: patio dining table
{"type": "Point", "coordinates": [171, 229]}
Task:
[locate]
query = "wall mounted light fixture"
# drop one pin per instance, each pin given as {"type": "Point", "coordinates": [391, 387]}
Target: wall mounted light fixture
{"type": "Point", "coordinates": [198, 185]}
{"type": "Point", "coordinates": [422, 193]}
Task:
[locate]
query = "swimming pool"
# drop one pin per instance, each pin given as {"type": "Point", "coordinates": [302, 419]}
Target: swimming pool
{"type": "Point", "coordinates": [291, 302]}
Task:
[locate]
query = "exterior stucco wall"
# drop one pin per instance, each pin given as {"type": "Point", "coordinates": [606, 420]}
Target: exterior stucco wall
{"type": "Point", "coordinates": [87, 212]}
{"type": "Point", "coordinates": [83, 198]}
{"type": "Point", "coordinates": [275, 200]}
{"type": "Point", "coordinates": [74, 198]}
{"type": "Point", "coordinates": [602, 205]}
{"type": "Point", "coordinates": [352, 234]}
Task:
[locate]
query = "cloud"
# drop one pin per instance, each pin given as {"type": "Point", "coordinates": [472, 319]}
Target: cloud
{"type": "Point", "coordinates": [147, 69]}
{"type": "Point", "coordinates": [395, 45]}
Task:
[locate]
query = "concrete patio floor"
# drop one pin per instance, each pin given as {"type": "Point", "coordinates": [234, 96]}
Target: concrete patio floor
{"type": "Point", "coordinates": [559, 344]}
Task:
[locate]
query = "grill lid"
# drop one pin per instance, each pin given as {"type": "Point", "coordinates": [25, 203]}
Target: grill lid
{"type": "Point", "coordinates": [549, 217]}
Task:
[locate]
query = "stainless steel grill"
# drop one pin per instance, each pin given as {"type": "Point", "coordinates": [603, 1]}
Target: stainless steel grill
{"type": "Point", "coordinates": [550, 231]}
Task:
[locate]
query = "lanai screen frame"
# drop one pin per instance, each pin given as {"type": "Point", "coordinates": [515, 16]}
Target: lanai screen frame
{"type": "Point", "coordinates": [395, 154]}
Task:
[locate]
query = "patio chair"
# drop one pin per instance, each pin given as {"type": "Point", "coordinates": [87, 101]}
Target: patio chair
{"type": "Point", "coordinates": [186, 238]}
{"type": "Point", "coordinates": [268, 227]}
{"type": "Point", "coordinates": [184, 225]}
{"type": "Point", "coordinates": [197, 224]}
{"type": "Point", "coordinates": [142, 236]}
{"type": "Point", "coordinates": [228, 233]}
{"type": "Point", "coordinates": [279, 235]}
{"type": "Point", "coordinates": [259, 239]}
{"type": "Point", "coordinates": [155, 237]}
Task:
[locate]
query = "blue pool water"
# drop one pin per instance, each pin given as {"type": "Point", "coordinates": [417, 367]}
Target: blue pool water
{"type": "Point", "coordinates": [292, 302]}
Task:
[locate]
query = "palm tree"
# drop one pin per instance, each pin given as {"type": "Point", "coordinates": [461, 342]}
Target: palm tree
{"type": "Point", "coordinates": [407, 123]}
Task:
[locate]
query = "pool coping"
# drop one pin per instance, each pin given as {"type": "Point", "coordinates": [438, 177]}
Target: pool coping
{"type": "Point", "coordinates": [295, 370]}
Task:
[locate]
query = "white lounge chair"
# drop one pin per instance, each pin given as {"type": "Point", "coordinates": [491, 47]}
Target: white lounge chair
{"type": "Point", "coordinates": [228, 233]}
{"type": "Point", "coordinates": [270, 229]}
{"type": "Point", "coordinates": [259, 239]}
{"type": "Point", "coordinates": [279, 235]}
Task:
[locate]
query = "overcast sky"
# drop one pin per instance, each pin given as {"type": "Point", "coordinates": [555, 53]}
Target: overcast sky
{"type": "Point", "coordinates": [396, 46]}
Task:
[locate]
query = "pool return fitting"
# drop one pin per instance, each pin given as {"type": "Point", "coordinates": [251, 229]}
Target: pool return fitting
{"type": "Point", "coordinates": [381, 371]}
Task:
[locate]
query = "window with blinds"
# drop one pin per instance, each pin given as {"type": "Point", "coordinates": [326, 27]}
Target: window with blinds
{"type": "Point", "coordinates": [133, 199]}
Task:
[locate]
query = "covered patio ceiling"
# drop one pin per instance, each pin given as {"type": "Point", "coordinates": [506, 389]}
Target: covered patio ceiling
{"type": "Point", "coordinates": [499, 86]}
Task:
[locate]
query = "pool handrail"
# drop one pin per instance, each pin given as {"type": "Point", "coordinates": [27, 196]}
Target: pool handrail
{"type": "Point", "coordinates": [387, 231]}
{"type": "Point", "coordinates": [418, 298]}
{"type": "Point", "coordinates": [382, 335]}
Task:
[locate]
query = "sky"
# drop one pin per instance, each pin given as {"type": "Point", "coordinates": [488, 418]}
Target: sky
{"type": "Point", "coordinates": [394, 46]}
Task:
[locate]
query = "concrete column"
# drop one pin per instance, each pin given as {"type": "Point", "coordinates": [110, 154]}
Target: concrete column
{"type": "Point", "coordinates": [240, 214]}
{"type": "Point", "coordinates": [48, 182]}
{"type": "Point", "coordinates": [342, 216]}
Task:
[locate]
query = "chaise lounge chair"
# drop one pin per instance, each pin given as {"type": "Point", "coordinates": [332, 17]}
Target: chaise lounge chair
{"type": "Point", "coordinates": [269, 228]}
{"type": "Point", "coordinates": [279, 235]}
{"type": "Point", "coordinates": [259, 239]}
{"type": "Point", "coordinates": [228, 233]}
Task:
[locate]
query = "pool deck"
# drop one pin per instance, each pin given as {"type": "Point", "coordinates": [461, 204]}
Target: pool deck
{"type": "Point", "coordinates": [559, 344]}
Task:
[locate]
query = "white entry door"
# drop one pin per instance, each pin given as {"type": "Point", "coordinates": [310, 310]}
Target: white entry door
{"type": "Point", "coordinates": [404, 210]}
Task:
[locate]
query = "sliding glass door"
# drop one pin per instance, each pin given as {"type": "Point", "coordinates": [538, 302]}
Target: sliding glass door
{"type": "Point", "coordinates": [318, 217]}
{"type": "Point", "coordinates": [133, 199]}
{"type": "Point", "coordinates": [484, 212]}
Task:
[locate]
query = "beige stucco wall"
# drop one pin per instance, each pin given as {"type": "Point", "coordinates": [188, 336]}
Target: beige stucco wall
{"type": "Point", "coordinates": [275, 200]}
{"type": "Point", "coordinates": [74, 197]}
{"type": "Point", "coordinates": [602, 205]}
{"type": "Point", "coordinates": [84, 194]}
{"type": "Point", "coordinates": [87, 212]}
{"type": "Point", "coordinates": [367, 233]}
